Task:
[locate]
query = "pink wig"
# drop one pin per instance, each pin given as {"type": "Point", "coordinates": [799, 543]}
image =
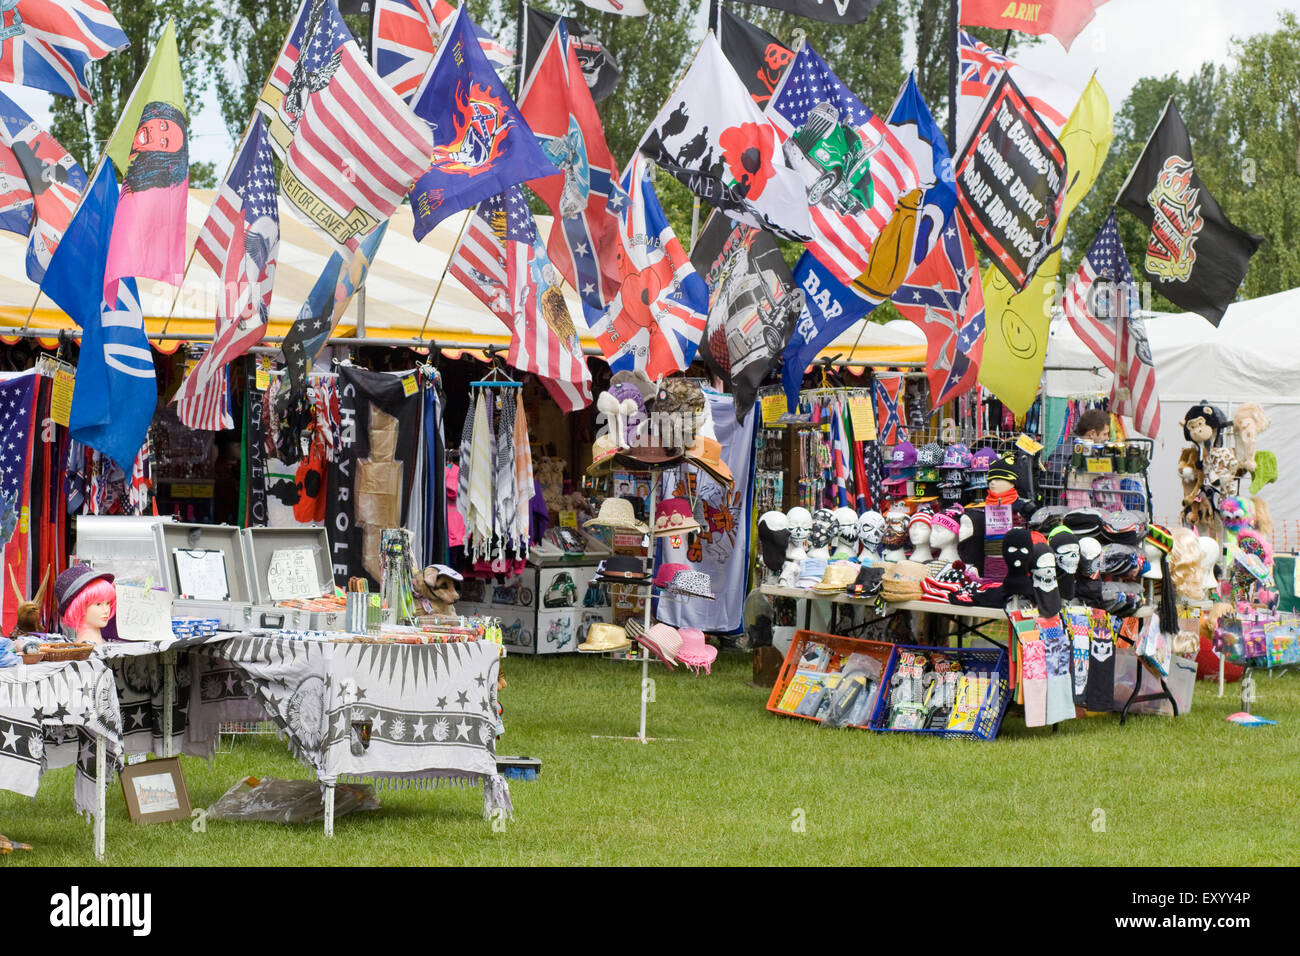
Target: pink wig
{"type": "Point", "coordinates": [92, 593]}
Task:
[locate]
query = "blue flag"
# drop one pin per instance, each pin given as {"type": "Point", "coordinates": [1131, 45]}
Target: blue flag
{"type": "Point", "coordinates": [915, 128]}
{"type": "Point", "coordinates": [829, 307]}
{"type": "Point", "coordinates": [481, 144]}
{"type": "Point", "coordinates": [116, 393]}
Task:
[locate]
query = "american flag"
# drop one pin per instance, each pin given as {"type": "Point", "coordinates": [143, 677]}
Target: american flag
{"type": "Point", "coordinates": [52, 181]}
{"type": "Point", "coordinates": [1101, 302]}
{"type": "Point", "coordinates": [843, 240]}
{"type": "Point", "coordinates": [405, 35]}
{"type": "Point", "coordinates": [655, 322]}
{"type": "Point", "coordinates": [350, 147]}
{"type": "Point", "coordinates": [17, 407]}
{"type": "Point", "coordinates": [502, 261]}
{"type": "Point", "coordinates": [241, 241]}
{"type": "Point", "coordinates": [54, 41]}
{"type": "Point", "coordinates": [981, 66]}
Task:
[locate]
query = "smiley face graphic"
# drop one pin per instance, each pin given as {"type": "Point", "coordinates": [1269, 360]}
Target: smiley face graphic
{"type": "Point", "coordinates": [1020, 338]}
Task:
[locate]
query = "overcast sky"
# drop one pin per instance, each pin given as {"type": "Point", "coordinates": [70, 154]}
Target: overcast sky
{"type": "Point", "coordinates": [1127, 40]}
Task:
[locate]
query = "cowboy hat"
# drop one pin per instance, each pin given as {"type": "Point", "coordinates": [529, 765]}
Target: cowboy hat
{"type": "Point", "coordinates": [706, 453]}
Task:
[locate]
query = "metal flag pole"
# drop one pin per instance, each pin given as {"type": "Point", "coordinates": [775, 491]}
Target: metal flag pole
{"type": "Point", "coordinates": [454, 249]}
{"type": "Point", "coordinates": [954, 59]}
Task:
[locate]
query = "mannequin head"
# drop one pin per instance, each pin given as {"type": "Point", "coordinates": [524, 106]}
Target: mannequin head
{"type": "Point", "coordinates": [1210, 554]}
{"type": "Point", "coordinates": [944, 529]}
{"type": "Point", "coordinates": [1046, 593]}
{"type": "Point", "coordinates": [918, 529]}
{"type": "Point", "coordinates": [91, 609]}
{"type": "Point", "coordinates": [871, 530]}
{"type": "Point", "coordinates": [846, 528]}
{"type": "Point", "coordinates": [1089, 558]}
{"type": "Point", "coordinates": [823, 528]}
{"type": "Point", "coordinates": [799, 521]}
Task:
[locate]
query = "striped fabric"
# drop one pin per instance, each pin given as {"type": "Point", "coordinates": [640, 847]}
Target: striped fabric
{"type": "Point", "coordinates": [1101, 302]}
{"type": "Point", "coordinates": [351, 148]}
{"type": "Point", "coordinates": [843, 240]}
{"type": "Point", "coordinates": [478, 516]}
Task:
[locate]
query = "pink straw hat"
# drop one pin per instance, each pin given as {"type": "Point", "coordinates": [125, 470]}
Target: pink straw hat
{"type": "Point", "coordinates": [695, 652]}
{"type": "Point", "coordinates": [662, 641]}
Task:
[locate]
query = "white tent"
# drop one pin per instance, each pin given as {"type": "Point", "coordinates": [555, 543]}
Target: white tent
{"type": "Point", "coordinates": [399, 288]}
{"type": "Point", "coordinates": [1253, 356]}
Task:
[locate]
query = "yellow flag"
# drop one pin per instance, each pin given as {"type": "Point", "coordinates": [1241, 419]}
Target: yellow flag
{"type": "Point", "coordinates": [160, 88]}
{"type": "Point", "coordinates": [1015, 343]}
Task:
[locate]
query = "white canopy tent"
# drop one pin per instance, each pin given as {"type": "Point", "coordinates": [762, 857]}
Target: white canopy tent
{"type": "Point", "coordinates": [1253, 356]}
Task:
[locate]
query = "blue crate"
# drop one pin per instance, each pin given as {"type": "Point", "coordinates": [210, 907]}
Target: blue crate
{"type": "Point", "coordinates": [983, 659]}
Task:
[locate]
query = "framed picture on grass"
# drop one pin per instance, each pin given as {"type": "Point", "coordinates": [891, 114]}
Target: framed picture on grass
{"type": "Point", "coordinates": [155, 791]}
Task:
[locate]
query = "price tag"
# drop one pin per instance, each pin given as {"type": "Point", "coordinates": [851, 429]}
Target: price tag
{"type": "Point", "coordinates": [1028, 445]}
{"type": "Point", "coordinates": [61, 396]}
{"type": "Point", "coordinates": [143, 614]}
{"type": "Point", "coordinates": [568, 519]}
{"type": "Point", "coordinates": [1100, 465]}
{"type": "Point", "coordinates": [263, 375]}
{"type": "Point", "coordinates": [862, 418]}
{"type": "Point", "coordinates": [773, 407]}
{"type": "Point", "coordinates": [997, 520]}
{"type": "Point", "coordinates": [291, 575]}
{"type": "Point", "coordinates": [409, 385]}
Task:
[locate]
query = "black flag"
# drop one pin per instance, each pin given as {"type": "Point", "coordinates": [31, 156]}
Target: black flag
{"type": "Point", "coordinates": [1195, 257]}
{"type": "Point", "coordinates": [828, 11]}
{"type": "Point", "coordinates": [598, 66]}
{"type": "Point", "coordinates": [753, 305]}
{"type": "Point", "coordinates": [757, 57]}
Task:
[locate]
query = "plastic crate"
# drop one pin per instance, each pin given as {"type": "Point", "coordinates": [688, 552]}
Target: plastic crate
{"type": "Point", "coordinates": [991, 660]}
{"type": "Point", "coordinates": [841, 645]}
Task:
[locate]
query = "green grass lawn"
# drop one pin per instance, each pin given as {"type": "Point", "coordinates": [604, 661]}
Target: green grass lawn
{"type": "Point", "coordinates": [732, 786]}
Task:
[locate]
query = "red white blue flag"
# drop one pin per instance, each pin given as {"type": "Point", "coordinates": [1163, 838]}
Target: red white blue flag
{"type": "Point", "coordinates": [558, 106]}
{"type": "Point", "coordinates": [501, 260]}
{"type": "Point", "coordinates": [240, 241]}
{"type": "Point", "coordinates": [945, 299]}
{"type": "Point", "coordinates": [49, 43]}
{"type": "Point", "coordinates": [405, 34]}
{"type": "Point", "coordinates": [657, 319]}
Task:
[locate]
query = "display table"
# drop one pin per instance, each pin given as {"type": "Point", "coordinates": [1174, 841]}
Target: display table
{"type": "Point", "coordinates": [152, 687]}
{"type": "Point", "coordinates": [56, 715]}
{"type": "Point", "coordinates": [400, 714]}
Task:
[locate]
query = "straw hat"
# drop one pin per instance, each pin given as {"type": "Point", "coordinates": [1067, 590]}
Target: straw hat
{"type": "Point", "coordinates": [602, 638]}
{"type": "Point", "coordinates": [706, 453]}
{"type": "Point", "coordinates": [617, 513]}
{"type": "Point", "coordinates": [663, 642]}
{"type": "Point", "coordinates": [839, 576]}
{"type": "Point", "coordinates": [695, 652]}
{"type": "Point", "coordinates": [602, 455]}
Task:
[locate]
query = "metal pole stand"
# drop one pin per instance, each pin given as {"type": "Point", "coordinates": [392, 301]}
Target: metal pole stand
{"type": "Point", "coordinates": [101, 795]}
{"type": "Point", "coordinates": [329, 810]}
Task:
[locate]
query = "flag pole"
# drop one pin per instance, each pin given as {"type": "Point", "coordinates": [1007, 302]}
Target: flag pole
{"type": "Point", "coordinates": [954, 57]}
{"type": "Point", "coordinates": [454, 249]}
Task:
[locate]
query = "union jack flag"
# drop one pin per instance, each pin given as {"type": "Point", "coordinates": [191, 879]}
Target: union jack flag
{"type": "Point", "coordinates": [48, 43]}
{"type": "Point", "coordinates": [241, 241]}
{"type": "Point", "coordinates": [502, 261]}
{"type": "Point", "coordinates": [846, 221]}
{"type": "Point", "coordinates": [405, 34]}
{"type": "Point", "coordinates": [655, 322]}
{"type": "Point", "coordinates": [42, 185]}
{"type": "Point", "coordinates": [945, 299]}
{"type": "Point", "coordinates": [558, 107]}
{"type": "Point", "coordinates": [981, 66]}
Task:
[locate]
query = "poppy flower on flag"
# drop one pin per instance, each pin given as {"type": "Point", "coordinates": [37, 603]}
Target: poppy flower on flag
{"type": "Point", "coordinates": [747, 150]}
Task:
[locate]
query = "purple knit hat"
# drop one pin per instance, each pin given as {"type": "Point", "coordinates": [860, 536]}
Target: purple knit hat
{"type": "Point", "coordinates": [74, 580]}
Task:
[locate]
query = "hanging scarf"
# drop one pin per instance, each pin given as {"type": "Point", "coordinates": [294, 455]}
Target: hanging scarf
{"type": "Point", "coordinates": [523, 474]}
{"type": "Point", "coordinates": [503, 473]}
{"type": "Point", "coordinates": [478, 515]}
{"type": "Point", "coordinates": [466, 444]}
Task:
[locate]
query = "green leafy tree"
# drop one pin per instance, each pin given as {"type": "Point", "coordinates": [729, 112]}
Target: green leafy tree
{"type": "Point", "coordinates": [83, 131]}
{"type": "Point", "coordinates": [254, 32]}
